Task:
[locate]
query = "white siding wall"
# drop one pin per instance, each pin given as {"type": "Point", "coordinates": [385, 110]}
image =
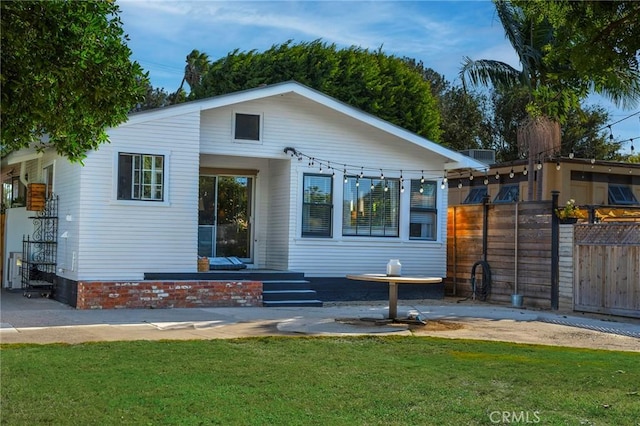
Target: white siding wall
{"type": "Point", "coordinates": [120, 240]}
{"type": "Point", "coordinates": [66, 185]}
{"type": "Point", "coordinates": [317, 131]}
{"type": "Point", "coordinates": [281, 226]}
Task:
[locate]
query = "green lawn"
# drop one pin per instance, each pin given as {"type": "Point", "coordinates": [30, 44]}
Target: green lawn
{"type": "Point", "coordinates": [321, 381]}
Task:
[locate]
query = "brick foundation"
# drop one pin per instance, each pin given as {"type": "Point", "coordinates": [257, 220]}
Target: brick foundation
{"type": "Point", "coordinates": [168, 294]}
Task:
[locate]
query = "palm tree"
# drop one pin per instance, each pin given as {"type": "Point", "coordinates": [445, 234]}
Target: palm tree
{"type": "Point", "coordinates": [554, 84]}
{"type": "Point", "coordinates": [197, 65]}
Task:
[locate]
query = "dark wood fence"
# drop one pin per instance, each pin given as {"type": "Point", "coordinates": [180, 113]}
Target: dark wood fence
{"type": "Point", "coordinates": [590, 268]}
{"type": "Point", "coordinates": [607, 268]}
{"type": "Point", "coordinates": [516, 245]}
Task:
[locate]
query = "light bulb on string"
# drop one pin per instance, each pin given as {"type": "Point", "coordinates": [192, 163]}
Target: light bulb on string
{"type": "Point", "coordinates": [357, 182]}
{"type": "Point", "coordinates": [361, 172]}
{"type": "Point", "coordinates": [386, 187]}
{"type": "Point", "coordinates": [632, 147]}
{"type": "Point", "coordinates": [422, 178]}
{"type": "Point", "coordinates": [372, 186]}
{"type": "Point", "coordinates": [497, 175]}
{"type": "Point", "coordinates": [381, 175]}
{"type": "Point", "coordinates": [511, 173]}
{"type": "Point", "coordinates": [442, 186]}
{"type": "Point", "coordinates": [402, 188]}
{"type": "Point", "coordinates": [558, 165]}
{"type": "Point", "coordinates": [344, 173]}
{"type": "Point", "coordinates": [486, 181]}
{"type": "Point", "coordinates": [471, 176]}
{"type": "Point", "coordinates": [525, 171]}
{"type": "Point", "coordinates": [460, 184]}
{"type": "Point", "coordinates": [610, 133]}
{"type": "Point", "coordinates": [593, 160]}
{"type": "Point", "coordinates": [539, 165]}
{"type": "Point", "coordinates": [320, 167]}
{"type": "Point", "coordinates": [572, 153]}
{"type": "Point", "coordinates": [444, 177]}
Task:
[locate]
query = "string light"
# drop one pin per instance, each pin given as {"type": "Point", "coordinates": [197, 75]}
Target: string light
{"type": "Point", "coordinates": [539, 165]}
{"type": "Point", "coordinates": [460, 184]}
{"type": "Point", "coordinates": [572, 154]}
{"type": "Point", "coordinates": [525, 171]}
{"type": "Point", "coordinates": [632, 148]}
{"type": "Point", "coordinates": [361, 172]}
{"type": "Point", "coordinates": [497, 175]}
{"type": "Point", "coordinates": [381, 175]}
{"type": "Point", "coordinates": [344, 172]}
{"type": "Point", "coordinates": [511, 173]}
{"type": "Point", "coordinates": [558, 165]}
{"type": "Point", "coordinates": [422, 178]}
{"type": "Point", "coordinates": [486, 180]}
{"type": "Point", "coordinates": [471, 176]}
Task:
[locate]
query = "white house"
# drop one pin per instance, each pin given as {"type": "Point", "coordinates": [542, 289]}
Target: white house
{"type": "Point", "coordinates": [281, 177]}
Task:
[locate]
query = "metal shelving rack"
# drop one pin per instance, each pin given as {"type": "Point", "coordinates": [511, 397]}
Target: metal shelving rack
{"type": "Point", "coordinates": [39, 252]}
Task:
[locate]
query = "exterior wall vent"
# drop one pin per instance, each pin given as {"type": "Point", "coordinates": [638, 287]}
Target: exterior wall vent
{"type": "Point", "coordinates": [487, 156]}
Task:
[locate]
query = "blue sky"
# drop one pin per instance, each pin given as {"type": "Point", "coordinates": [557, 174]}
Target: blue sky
{"type": "Point", "coordinates": [439, 33]}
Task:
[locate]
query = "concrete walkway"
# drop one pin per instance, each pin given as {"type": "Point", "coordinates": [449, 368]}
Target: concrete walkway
{"type": "Point", "coordinates": [41, 320]}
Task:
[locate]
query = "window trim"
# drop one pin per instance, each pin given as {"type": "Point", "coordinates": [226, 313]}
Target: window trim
{"type": "Point", "coordinates": [330, 205]}
{"type": "Point", "coordinates": [51, 184]}
{"type": "Point", "coordinates": [260, 115]}
{"type": "Point", "coordinates": [165, 176]}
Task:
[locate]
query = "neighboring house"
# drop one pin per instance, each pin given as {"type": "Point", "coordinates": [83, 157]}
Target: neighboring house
{"type": "Point", "coordinates": [258, 175]}
{"type": "Point", "coordinates": [589, 183]}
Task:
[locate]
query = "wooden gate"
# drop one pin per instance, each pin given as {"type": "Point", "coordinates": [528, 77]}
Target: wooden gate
{"type": "Point", "coordinates": [607, 269]}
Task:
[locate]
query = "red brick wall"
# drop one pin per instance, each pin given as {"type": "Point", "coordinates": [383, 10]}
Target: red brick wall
{"type": "Point", "coordinates": [168, 294]}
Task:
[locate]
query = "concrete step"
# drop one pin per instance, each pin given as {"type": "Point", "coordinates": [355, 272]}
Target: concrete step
{"type": "Point", "coordinates": [292, 303]}
{"type": "Point", "coordinates": [275, 295]}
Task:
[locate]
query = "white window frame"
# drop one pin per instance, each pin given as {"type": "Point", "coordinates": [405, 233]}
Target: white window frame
{"type": "Point", "coordinates": [260, 127]}
{"type": "Point", "coordinates": [51, 184]}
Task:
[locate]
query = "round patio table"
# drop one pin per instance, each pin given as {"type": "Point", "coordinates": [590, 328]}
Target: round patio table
{"type": "Point", "coordinates": [393, 282]}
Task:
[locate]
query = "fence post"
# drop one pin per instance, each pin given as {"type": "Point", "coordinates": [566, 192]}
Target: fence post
{"type": "Point", "coordinates": [555, 251]}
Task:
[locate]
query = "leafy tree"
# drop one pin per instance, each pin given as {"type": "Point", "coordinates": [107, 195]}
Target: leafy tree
{"type": "Point", "coordinates": [157, 98]}
{"type": "Point", "coordinates": [464, 116]}
{"type": "Point", "coordinates": [372, 81]}
{"type": "Point", "coordinates": [66, 73]}
{"type": "Point", "coordinates": [554, 77]}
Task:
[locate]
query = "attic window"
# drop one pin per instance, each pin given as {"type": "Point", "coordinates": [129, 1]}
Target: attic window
{"type": "Point", "coordinates": [247, 127]}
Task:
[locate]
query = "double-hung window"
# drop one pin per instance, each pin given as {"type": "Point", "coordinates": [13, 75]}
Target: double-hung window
{"type": "Point", "coordinates": [423, 212]}
{"type": "Point", "coordinates": [371, 207]}
{"type": "Point", "coordinates": [140, 177]}
{"type": "Point", "coordinates": [317, 205]}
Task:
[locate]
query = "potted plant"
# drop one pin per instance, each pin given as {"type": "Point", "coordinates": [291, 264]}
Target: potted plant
{"type": "Point", "coordinates": [569, 213]}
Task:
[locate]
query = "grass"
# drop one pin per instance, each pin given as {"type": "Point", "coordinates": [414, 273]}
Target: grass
{"type": "Point", "coordinates": [317, 381]}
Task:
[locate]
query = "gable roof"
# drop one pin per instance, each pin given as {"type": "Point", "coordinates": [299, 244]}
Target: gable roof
{"type": "Point", "coordinates": [455, 160]}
